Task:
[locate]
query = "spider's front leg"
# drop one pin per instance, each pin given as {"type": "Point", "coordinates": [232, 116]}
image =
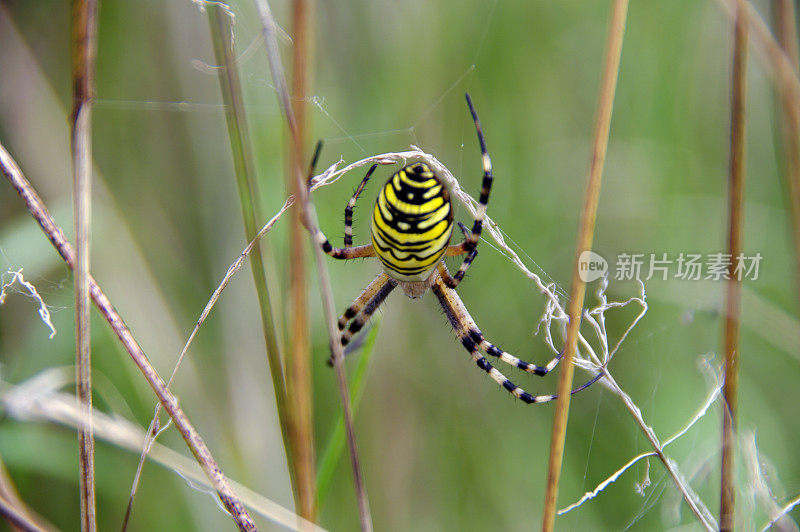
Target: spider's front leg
{"type": "Point", "coordinates": [470, 243]}
{"type": "Point", "coordinates": [348, 251]}
{"type": "Point", "coordinates": [365, 305]}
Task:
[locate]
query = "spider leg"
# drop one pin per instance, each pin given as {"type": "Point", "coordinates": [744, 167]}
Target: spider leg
{"type": "Point", "coordinates": [452, 281]}
{"type": "Point", "coordinates": [347, 252]}
{"type": "Point", "coordinates": [472, 340]}
{"type": "Point", "coordinates": [359, 312]}
{"type": "Point", "coordinates": [471, 239]}
{"type": "Point", "coordinates": [348, 210]}
{"type": "Point", "coordinates": [471, 329]}
{"type": "Point", "coordinates": [486, 185]}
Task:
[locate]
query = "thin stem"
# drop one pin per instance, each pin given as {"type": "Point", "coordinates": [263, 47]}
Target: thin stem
{"type": "Point", "coordinates": [238, 133]}
{"type": "Point", "coordinates": [84, 54]}
{"type": "Point", "coordinates": [302, 197]}
{"type": "Point", "coordinates": [585, 236]}
{"type": "Point", "coordinates": [733, 285]}
{"type": "Point", "coordinates": [298, 365]}
{"type": "Point", "coordinates": [193, 440]}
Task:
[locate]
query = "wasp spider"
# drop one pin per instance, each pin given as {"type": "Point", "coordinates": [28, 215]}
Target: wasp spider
{"type": "Point", "coordinates": [412, 224]}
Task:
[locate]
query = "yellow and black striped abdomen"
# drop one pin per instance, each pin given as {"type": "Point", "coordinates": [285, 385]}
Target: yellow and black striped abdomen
{"type": "Point", "coordinates": [412, 223]}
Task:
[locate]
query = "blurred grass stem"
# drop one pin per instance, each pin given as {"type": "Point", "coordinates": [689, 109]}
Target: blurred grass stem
{"type": "Point", "coordinates": [84, 55]}
{"type": "Point", "coordinates": [238, 134]}
{"type": "Point", "coordinates": [784, 21]}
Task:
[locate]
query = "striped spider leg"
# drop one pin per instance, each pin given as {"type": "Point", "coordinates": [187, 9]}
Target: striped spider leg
{"type": "Point", "coordinates": [348, 251]}
{"type": "Point", "coordinates": [473, 341]}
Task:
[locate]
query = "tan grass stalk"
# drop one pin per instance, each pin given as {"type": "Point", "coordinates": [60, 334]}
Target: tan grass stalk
{"type": "Point", "coordinates": [309, 217]}
{"type": "Point", "coordinates": [733, 284]}
{"type": "Point", "coordinates": [193, 440]}
{"type": "Point", "coordinates": [298, 364]}
{"type": "Point", "coordinates": [84, 54]}
{"type": "Point", "coordinates": [605, 106]}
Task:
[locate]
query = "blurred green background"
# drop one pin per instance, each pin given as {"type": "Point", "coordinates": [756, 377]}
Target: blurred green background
{"type": "Point", "coordinates": [442, 447]}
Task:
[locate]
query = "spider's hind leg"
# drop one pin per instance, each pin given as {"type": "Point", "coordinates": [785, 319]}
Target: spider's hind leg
{"type": "Point", "coordinates": [365, 305]}
{"type": "Point", "coordinates": [472, 339]}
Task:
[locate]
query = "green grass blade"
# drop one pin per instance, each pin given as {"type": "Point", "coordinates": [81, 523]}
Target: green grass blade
{"type": "Point", "coordinates": [332, 453]}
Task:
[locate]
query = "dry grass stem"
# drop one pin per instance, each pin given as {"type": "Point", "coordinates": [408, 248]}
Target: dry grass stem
{"type": "Point", "coordinates": [699, 509]}
{"type": "Point", "coordinates": [733, 284]}
{"type": "Point", "coordinates": [298, 364]}
{"type": "Point", "coordinates": [220, 20]}
{"type": "Point", "coordinates": [605, 106]}
{"type": "Point", "coordinates": [190, 435]}
{"type": "Point", "coordinates": [84, 55]}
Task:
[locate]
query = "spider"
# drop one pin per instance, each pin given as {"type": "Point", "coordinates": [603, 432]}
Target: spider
{"type": "Point", "coordinates": [412, 224]}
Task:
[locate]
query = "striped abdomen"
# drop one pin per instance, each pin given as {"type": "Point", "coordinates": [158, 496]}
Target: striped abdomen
{"type": "Point", "coordinates": [412, 223]}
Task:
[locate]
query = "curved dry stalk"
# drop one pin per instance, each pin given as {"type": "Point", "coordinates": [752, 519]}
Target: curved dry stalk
{"type": "Point", "coordinates": [16, 518]}
{"type": "Point", "coordinates": [190, 435]}
{"type": "Point", "coordinates": [692, 499]}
